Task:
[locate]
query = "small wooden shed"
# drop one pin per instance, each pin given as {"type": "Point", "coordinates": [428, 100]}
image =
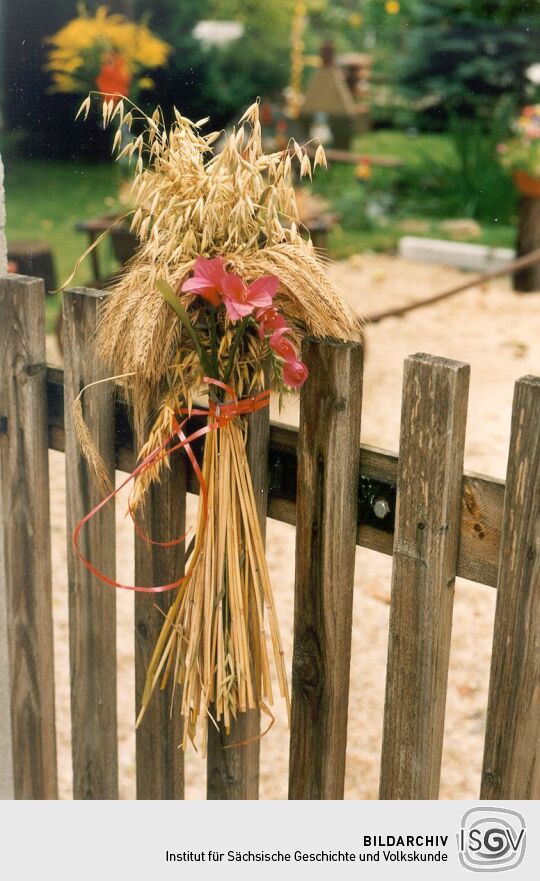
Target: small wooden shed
{"type": "Point", "coordinates": [328, 93]}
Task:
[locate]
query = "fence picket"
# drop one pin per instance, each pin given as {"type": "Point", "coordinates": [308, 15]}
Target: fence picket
{"type": "Point", "coordinates": [430, 469]}
{"type": "Point", "coordinates": [327, 498]}
{"type": "Point", "coordinates": [92, 605]}
{"type": "Point", "coordinates": [234, 773]}
{"type": "Point", "coordinates": [511, 767]}
{"type": "Point", "coordinates": [160, 764]}
{"type": "Point", "coordinates": [27, 727]}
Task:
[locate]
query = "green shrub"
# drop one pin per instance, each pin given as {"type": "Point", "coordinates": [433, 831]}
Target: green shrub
{"type": "Point", "coordinates": [462, 57]}
{"type": "Point", "coordinates": [473, 183]}
{"type": "Point", "coordinates": [352, 205]}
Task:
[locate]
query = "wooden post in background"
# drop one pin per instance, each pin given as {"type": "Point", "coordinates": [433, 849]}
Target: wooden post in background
{"type": "Point", "coordinates": [92, 605]}
{"type": "Point", "coordinates": [27, 720]}
{"type": "Point", "coordinates": [326, 526]}
{"type": "Point", "coordinates": [234, 773]}
{"type": "Point", "coordinates": [512, 746]}
{"type": "Point", "coordinates": [527, 280]}
{"type": "Point", "coordinates": [426, 538]}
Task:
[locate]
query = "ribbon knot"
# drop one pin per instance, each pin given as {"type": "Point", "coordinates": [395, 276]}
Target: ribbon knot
{"type": "Point", "coordinates": [219, 414]}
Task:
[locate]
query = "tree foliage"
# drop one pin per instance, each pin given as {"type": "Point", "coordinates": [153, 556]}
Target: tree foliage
{"type": "Point", "coordinates": [466, 55]}
{"type": "Point", "coordinates": [215, 80]}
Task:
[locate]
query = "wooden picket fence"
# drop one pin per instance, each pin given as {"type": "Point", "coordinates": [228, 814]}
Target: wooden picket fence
{"type": "Point", "coordinates": [417, 506]}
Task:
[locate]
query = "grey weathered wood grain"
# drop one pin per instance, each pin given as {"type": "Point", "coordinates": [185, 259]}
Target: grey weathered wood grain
{"type": "Point", "coordinates": [480, 529]}
{"type": "Point", "coordinates": [28, 745]}
{"type": "Point", "coordinates": [234, 773]}
{"type": "Point", "coordinates": [430, 469]}
{"type": "Point", "coordinates": [326, 512]}
{"type": "Point", "coordinates": [511, 767]}
{"type": "Point", "coordinates": [160, 764]}
{"type": "Point", "coordinates": [92, 604]}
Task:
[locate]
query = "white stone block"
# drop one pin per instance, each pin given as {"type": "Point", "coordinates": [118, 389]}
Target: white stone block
{"type": "Point", "coordinates": [480, 258]}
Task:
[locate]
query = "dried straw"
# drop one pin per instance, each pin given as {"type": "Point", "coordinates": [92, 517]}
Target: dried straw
{"type": "Point", "coordinates": [239, 204]}
{"type": "Point", "coordinates": [214, 640]}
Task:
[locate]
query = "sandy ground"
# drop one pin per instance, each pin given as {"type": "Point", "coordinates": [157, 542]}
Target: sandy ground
{"type": "Point", "coordinates": [498, 333]}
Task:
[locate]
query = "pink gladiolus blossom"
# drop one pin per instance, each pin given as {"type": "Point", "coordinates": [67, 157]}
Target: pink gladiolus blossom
{"type": "Point", "coordinates": [282, 346]}
{"type": "Point", "coordinates": [241, 299]}
{"type": "Point", "coordinates": [295, 373]}
{"type": "Point", "coordinates": [269, 320]}
{"type": "Point", "coordinates": [208, 279]}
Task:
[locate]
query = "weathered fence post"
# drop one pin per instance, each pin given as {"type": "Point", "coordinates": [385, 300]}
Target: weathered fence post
{"type": "Point", "coordinates": [92, 605]}
{"type": "Point", "coordinates": [512, 747]}
{"type": "Point", "coordinates": [326, 527]}
{"type": "Point", "coordinates": [6, 758]}
{"type": "Point", "coordinates": [27, 726]}
{"type": "Point", "coordinates": [527, 280]}
{"type": "Point", "coordinates": [234, 773]}
{"type": "Point", "coordinates": [160, 764]}
{"type": "Point", "coordinates": [430, 471]}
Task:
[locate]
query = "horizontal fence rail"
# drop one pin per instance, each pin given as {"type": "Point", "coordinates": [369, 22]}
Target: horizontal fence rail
{"type": "Point", "coordinates": [482, 497]}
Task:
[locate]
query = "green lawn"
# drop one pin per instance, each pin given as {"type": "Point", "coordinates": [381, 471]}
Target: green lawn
{"type": "Point", "coordinates": [425, 191]}
{"type": "Point", "coordinates": [46, 199]}
{"type": "Point", "coordinates": [345, 242]}
{"type": "Point", "coordinates": [409, 148]}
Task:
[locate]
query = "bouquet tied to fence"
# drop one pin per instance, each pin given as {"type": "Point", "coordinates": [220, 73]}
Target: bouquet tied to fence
{"type": "Point", "coordinates": [214, 305]}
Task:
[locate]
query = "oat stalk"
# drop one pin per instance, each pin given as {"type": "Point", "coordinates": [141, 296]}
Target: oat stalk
{"type": "Point", "coordinates": [221, 631]}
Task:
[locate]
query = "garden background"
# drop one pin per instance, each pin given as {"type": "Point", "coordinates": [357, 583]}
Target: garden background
{"type": "Point", "coordinates": [447, 77]}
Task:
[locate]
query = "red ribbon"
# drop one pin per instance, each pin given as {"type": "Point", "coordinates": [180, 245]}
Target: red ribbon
{"type": "Point", "coordinates": [219, 415]}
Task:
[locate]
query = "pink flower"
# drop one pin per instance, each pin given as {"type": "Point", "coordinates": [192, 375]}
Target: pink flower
{"type": "Point", "coordinates": [295, 373]}
{"type": "Point", "coordinates": [208, 279]}
{"type": "Point", "coordinates": [282, 346]}
{"type": "Point", "coordinates": [241, 299]}
{"type": "Point", "coordinates": [269, 320]}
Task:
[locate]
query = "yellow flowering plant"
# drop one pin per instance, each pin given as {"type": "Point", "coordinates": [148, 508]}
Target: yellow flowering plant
{"type": "Point", "coordinates": [106, 52]}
